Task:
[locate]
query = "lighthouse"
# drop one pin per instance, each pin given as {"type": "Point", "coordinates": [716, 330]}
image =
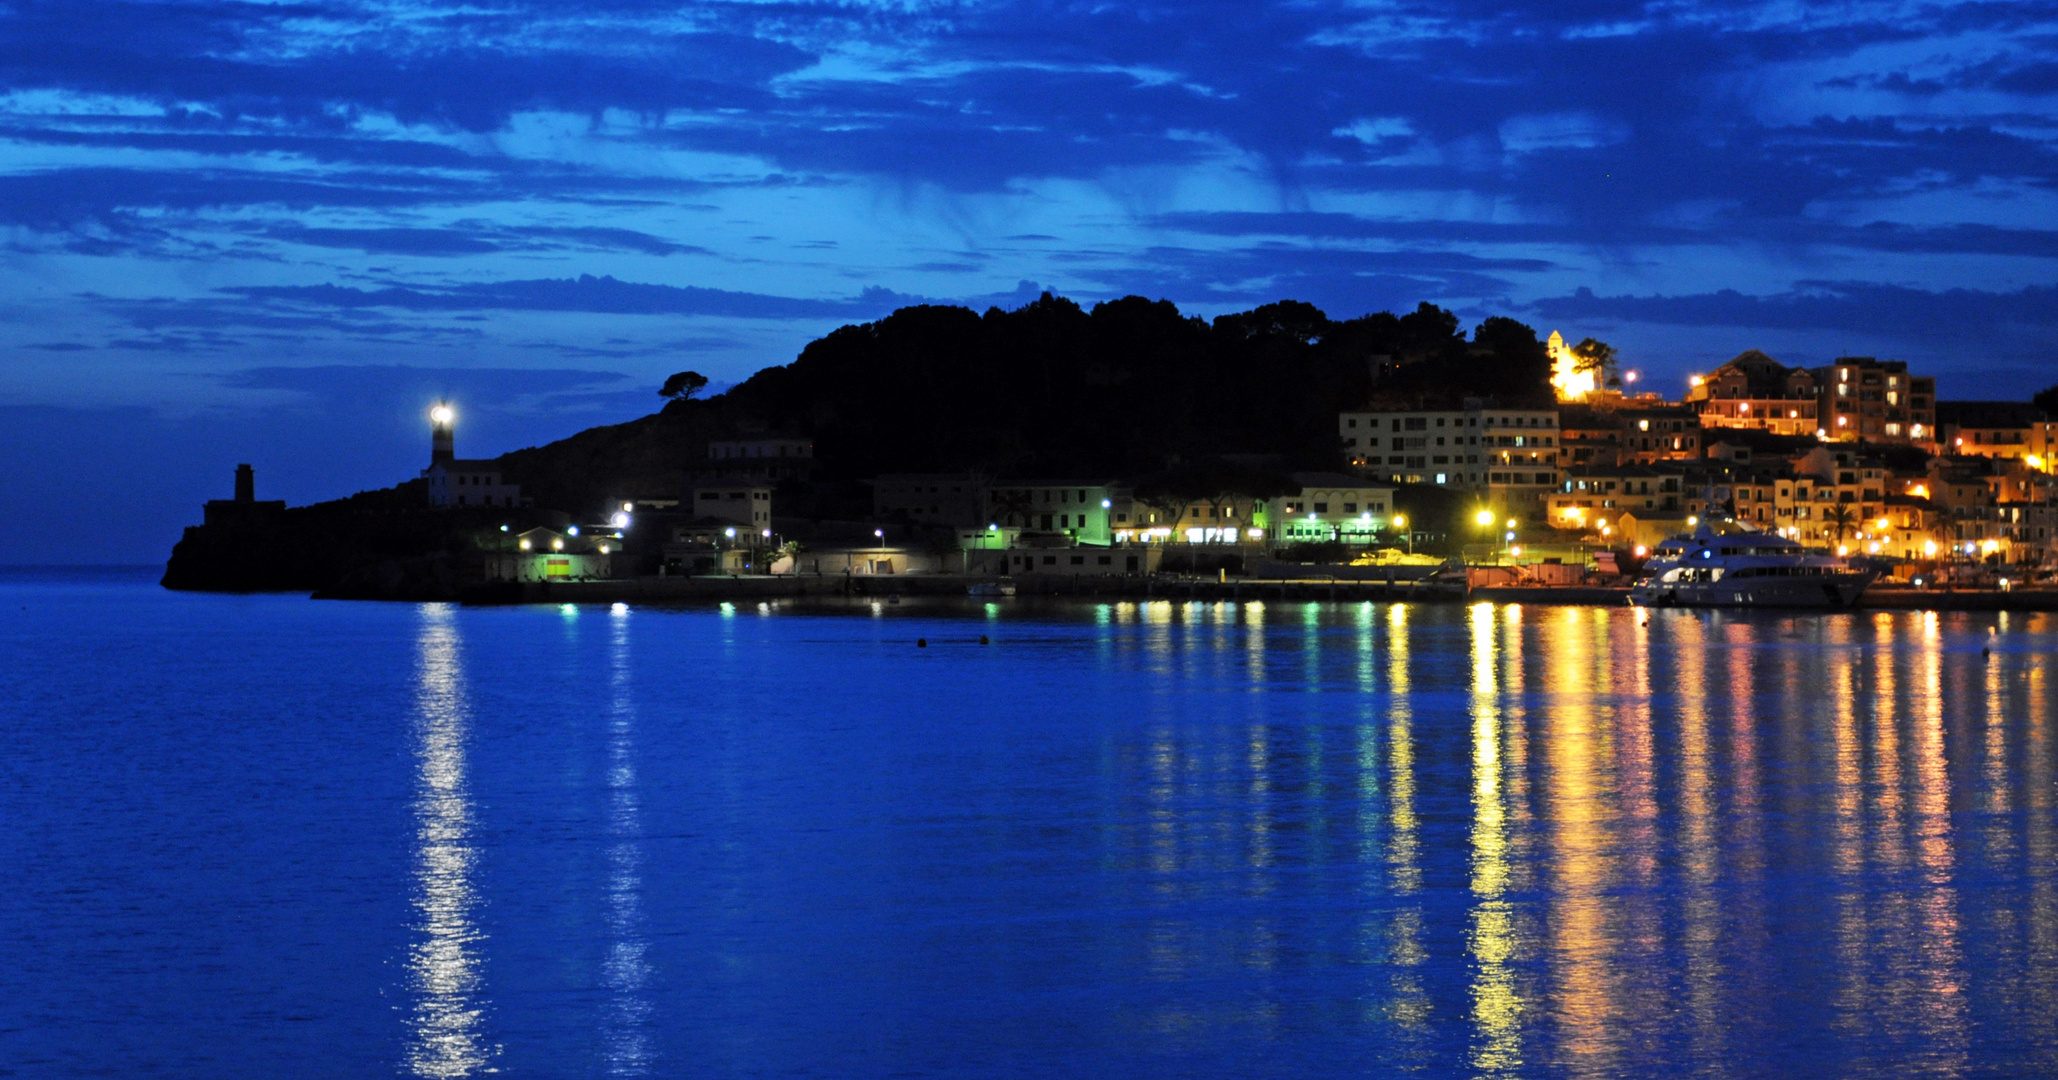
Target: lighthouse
{"type": "Point", "coordinates": [442, 434]}
{"type": "Point", "coordinates": [455, 483]}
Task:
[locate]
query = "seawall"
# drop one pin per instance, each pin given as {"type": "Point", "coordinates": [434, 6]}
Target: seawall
{"type": "Point", "coordinates": [679, 590]}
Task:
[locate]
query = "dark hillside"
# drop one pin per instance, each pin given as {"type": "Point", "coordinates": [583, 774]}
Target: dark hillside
{"type": "Point", "coordinates": [1130, 387]}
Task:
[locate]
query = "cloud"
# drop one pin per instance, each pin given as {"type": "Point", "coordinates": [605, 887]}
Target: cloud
{"type": "Point", "coordinates": [1529, 134]}
{"type": "Point", "coordinates": [585, 293]}
{"type": "Point", "coordinates": [1860, 307]}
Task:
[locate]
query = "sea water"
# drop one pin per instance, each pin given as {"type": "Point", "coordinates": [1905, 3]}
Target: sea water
{"type": "Point", "coordinates": [263, 836]}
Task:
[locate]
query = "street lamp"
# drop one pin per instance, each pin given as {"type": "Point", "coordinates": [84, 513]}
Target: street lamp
{"type": "Point", "coordinates": [1400, 521]}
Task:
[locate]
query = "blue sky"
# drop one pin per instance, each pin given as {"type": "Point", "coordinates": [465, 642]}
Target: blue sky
{"type": "Point", "coordinates": [267, 231]}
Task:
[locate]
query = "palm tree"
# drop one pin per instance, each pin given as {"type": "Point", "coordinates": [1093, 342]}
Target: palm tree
{"type": "Point", "coordinates": [1841, 520]}
{"type": "Point", "coordinates": [1010, 504]}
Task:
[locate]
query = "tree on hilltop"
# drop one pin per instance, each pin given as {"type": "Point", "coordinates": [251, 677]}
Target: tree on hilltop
{"type": "Point", "coordinates": [1597, 358]}
{"type": "Point", "coordinates": [683, 385]}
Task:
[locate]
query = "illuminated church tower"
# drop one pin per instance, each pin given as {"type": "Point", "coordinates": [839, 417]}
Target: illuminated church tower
{"type": "Point", "coordinates": [1571, 383]}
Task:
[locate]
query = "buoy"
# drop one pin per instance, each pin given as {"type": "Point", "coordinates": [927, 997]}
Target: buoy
{"type": "Point", "coordinates": [1985, 654]}
{"type": "Point", "coordinates": [921, 643]}
{"type": "Point", "coordinates": [983, 640]}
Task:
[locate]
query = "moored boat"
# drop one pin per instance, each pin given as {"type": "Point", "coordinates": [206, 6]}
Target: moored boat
{"type": "Point", "coordinates": [990, 588]}
{"type": "Point", "coordinates": [1736, 566]}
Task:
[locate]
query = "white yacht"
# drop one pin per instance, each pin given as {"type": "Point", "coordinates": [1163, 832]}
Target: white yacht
{"type": "Point", "coordinates": [1734, 566]}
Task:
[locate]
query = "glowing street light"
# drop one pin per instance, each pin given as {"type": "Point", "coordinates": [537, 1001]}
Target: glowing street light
{"type": "Point", "coordinates": [1484, 517]}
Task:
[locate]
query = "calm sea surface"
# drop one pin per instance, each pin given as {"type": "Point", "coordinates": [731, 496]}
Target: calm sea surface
{"type": "Point", "coordinates": [271, 837]}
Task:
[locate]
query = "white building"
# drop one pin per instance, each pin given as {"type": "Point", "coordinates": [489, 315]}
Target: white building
{"type": "Point", "coordinates": [1085, 510]}
{"type": "Point", "coordinates": [742, 502]}
{"type": "Point", "coordinates": [1509, 456]}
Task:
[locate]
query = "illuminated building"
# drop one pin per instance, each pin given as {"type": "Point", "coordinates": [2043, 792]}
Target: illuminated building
{"type": "Point", "coordinates": [1510, 455]}
{"type": "Point", "coordinates": [1876, 401]}
{"type": "Point", "coordinates": [1756, 392]}
{"type": "Point", "coordinates": [1998, 429]}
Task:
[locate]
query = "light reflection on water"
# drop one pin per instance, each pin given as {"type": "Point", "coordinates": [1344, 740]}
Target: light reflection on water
{"type": "Point", "coordinates": [626, 971]}
{"type": "Point", "coordinates": [1156, 839]}
{"type": "Point", "coordinates": [444, 963]}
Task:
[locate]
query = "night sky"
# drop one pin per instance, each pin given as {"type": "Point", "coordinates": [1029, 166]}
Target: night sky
{"type": "Point", "coordinates": [271, 232]}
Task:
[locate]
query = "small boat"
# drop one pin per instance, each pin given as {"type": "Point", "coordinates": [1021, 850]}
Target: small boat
{"type": "Point", "coordinates": [1737, 566]}
{"type": "Point", "coordinates": [990, 588]}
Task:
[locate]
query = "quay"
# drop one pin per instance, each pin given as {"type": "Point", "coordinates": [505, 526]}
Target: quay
{"type": "Point", "coordinates": [712, 588]}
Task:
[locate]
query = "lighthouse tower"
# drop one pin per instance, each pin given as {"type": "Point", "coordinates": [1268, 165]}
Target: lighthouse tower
{"type": "Point", "coordinates": [442, 434]}
{"type": "Point", "coordinates": [453, 482]}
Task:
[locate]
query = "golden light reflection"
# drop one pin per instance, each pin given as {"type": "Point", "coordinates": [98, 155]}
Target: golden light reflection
{"type": "Point", "coordinates": [1496, 1005]}
{"type": "Point", "coordinates": [1582, 940]}
{"type": "Point", "coordinates": [1940, 976]}
{"type": "Point", "coordinates": [2040, 840]}
{"type": "Point", "coordinates": [446, 978]}
{"type": "Point", "coordinates": [1700, 866]}
{"type": "Point", "coordinates": [1409, 1007]}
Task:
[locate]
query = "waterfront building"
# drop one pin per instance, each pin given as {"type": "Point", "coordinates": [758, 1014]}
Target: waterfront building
{"type": "Point", "coordinates": [1082, 561]}
{"type": "Point", "coordinates": [1086, 511]}
{"type": "Point", "coordinates": [458, 482]}
{"type": "Point", "coordinates": [1592, 496]}
{"type": "Point", "coordinates": [1227, 519]}
{"type": "Point", "coordinates": [546, 554]}
{"type": "Point", "coordinates": [1332, 507]}
{"type": "Point", "coordinates": [1510, 456]}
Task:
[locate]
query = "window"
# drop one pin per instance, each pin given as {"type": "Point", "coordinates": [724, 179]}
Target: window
{"type": "Point", "coordinates": [1321, 508]}
{"type": "Point", "coordinates": [1350, 508]}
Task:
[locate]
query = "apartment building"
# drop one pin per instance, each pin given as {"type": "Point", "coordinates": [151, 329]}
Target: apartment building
{"type": "Point", "coordinates": [1085, 510]}
{"type": "Point", "coordinates": [1596, 494]}
{"type": "Point", "coordinates": [1508, 456]}
{"type": "Point", "coordinates": [1875, 401]}
{"type": "Point", "coordinates": [1997, 429]}
{"type": "Point", "coordinates": [1757, 393]}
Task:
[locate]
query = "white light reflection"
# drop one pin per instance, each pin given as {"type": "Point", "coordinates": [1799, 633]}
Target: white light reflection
{"type": "Point", "coordinates": [445, 974]}
{"type": "Point", "coordinates": [625, 1038]}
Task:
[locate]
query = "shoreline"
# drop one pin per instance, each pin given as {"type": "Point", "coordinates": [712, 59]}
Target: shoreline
{"type": "Point", "coordinates": [690, 590]}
